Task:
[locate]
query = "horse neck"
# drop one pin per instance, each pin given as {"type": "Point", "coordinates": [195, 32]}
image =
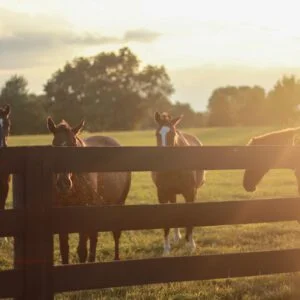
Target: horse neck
{"type": "Point", "coordinates": [80, 142]}
{"type": "Point", "coordinates": [180, 140]}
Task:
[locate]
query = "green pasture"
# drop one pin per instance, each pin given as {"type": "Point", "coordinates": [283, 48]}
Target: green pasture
{"type": "Point", "coordinates": [220, 186]}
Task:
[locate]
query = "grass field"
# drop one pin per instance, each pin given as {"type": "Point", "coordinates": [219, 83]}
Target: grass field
{"type": "Point", "coordinates": [220, 186]}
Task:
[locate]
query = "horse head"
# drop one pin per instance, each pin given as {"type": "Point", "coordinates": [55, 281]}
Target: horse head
{"type": "Point", "coordinates": [4, 124]}
{"type": "Point", "coordinates": [285, 137]}
{"type": "Point", "coordinates": [166, 130]}
{"type": "Point", "coordinates": [64, 136]}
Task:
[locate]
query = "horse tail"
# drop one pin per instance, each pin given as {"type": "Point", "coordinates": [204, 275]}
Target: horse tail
{"type": "Point", "coordinates": [126, 189]}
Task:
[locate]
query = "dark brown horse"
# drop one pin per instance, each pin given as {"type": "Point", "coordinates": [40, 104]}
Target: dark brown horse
{"type": "Point", "coordinates": [285, 137]}
{"type": "Point", "coordinates": [4, 132]}
{"type": "Point", "coordinates": [87, 188]}
{"type": "Point", "coordinates": [171, 183]}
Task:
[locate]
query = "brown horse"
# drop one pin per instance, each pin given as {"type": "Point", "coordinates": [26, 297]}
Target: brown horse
{"type": "Point", "coordinates": [4, 132]}
{"type": "Point", "coordinates": [171, 183]}
{"type": "Point", "coordinates": [285, 137]}
{"type": "Point", "coordinates": [87, 188]}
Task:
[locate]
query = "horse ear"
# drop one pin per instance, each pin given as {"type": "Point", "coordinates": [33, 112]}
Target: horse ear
{"type": "Point", "coordinates": [51, 125]}
{"type": "Point", "coordinates": [157, 117]}
{"type": "Point", "coordinates": [6, 110]}
{"type": "Point", "coordinates": [77, 128]}
{"type": "Point", "coordinates": [175, 121]}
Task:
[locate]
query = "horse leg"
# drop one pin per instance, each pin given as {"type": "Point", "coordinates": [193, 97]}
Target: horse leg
{"type": "Point", "coordinates": [4, 187]}
{"type": "Point", "coordinates": [117, 235]}
{"type": "Point", "coordinates": [190, 198]}
{"type": "Point", "coordinates": [164, 197]}
{"type": "Point", "coordinates": [297, 174]}
{"type": "Point", "coordinates": [93, 245]}
{"type": "Point", "coordinates": [177, 234]}
{"type": "Point", "coordinates": [82, 247]}
{"type": "Point", "coordinates": [64, 247]}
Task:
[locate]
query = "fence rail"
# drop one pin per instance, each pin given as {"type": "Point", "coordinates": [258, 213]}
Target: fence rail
{"type": "Point", "coordinates": [136, 217]}
{"type": "Point", "coordinates": [172, 269]}
{"type": "Point", "coordinates": [33, 221]}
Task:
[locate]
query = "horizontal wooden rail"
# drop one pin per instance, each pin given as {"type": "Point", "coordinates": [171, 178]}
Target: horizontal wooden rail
{"type": "Point", "coordinates": [172, 269]}
{"type": "Point", "coordinates": [163, 158]}
{"type": "Point", "coordinates": [92, 159]}
{"type": "Point", "coordinates": [11, 283]}
{"type": "Point", "coordinates": [136, 217]}
{"type": "Point", "coordinates": [11, 222]}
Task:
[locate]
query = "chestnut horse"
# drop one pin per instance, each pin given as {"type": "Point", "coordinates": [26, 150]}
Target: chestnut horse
{"type": "Point", "coordinates": [4, 132]}
{"type": "Point", "coordinates": [171, 183]}
{"type": "Point", "coordinates": [285, 137]}
{"type": "Point", "coordinates": [87, 188]}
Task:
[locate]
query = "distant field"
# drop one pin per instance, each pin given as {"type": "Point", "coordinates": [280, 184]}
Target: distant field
{"type": "Point", "coordinates": [220, 186]}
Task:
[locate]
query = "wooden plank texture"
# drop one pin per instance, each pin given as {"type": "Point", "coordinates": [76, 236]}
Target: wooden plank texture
{"type": "Point", "coordinates": [172, 269]}
{"type": "Point", "coordinates": [170, 158]}
{"type": "Point", "coordinates": [11, 222]}
{"type": "Point", "coordinates": [136, 217]}
{"type": "Point", "coordinates": [11, 283]}
{"type": "Point", "coordinates": [36, 259]}
{"type": "Point", "coordinates": [12, 159]}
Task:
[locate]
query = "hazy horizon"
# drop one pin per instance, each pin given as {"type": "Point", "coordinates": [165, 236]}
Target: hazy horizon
{"type": "Point", "coordinates": [202, 45]}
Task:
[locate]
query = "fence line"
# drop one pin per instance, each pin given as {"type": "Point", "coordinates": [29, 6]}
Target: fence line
{"type": "Point", "coordinates": [33, 221]}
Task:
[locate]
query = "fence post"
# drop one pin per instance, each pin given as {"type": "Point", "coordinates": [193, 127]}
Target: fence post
{"type": "Point", "coordinates": [34, 251]}
{"type": "Point", "coordinates": [18, 203]}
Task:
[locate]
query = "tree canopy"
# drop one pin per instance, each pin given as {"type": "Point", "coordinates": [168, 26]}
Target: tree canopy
{"type": "Point", "coordinates": [115, 91]}
{"type": "Point", "coordinates": [111, 90]}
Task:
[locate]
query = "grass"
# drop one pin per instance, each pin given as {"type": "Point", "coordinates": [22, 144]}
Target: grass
{"type": "Point", "coordinates": [220, 186]}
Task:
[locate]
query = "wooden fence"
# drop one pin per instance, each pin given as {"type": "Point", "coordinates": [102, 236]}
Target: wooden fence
{"type": "Point", "coordinates": [33, 221]}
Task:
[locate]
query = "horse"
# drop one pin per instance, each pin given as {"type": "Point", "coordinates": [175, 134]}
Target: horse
{"type": "Point", "coordinates": [4, 132]}
{"type": "Point", "coordinates": [86, 188]}
{"type": "Point", "coordinates": [171, 183]}
{"type": "Point", "coordinates": [285, 137]}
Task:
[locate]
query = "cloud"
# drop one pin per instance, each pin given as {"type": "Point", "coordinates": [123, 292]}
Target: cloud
{"type": "Point", "coordinates": [27, 40]}
{"type": "Point", "coordinates": [141, 35]}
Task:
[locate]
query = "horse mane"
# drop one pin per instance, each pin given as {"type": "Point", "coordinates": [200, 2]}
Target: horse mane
{"type": "Point", "coordinates": [80, 142]}
{"type": "Point", "coordinates": [180, 140]}
{"type": "Point", "coordinates": [279, 137]}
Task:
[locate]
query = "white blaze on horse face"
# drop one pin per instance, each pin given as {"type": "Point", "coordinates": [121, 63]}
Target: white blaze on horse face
{"type": "Point", "coordinates": [163, 132]}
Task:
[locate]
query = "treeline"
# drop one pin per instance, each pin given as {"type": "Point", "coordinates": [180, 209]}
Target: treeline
{"type": "Point", "coordinates": [113, 91]}
{"type": "Point", "coordinates": [250, 106]}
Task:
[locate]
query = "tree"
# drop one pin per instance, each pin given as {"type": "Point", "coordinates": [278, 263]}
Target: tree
{"type": "Point", "coordinates": [28, 113]}
{"type": "Point", "coordinates": [110, 90]}
{"type": "Point", "coordinates": [284, 100]}
{"type": "Point", "coordinates": [190, 118]}
{"type": "Point", "coordinates": [221, 108]}
{"type": "Point", "coordinates": [242, 105]}
{"type": "Point", "coordinates": [251, 106]}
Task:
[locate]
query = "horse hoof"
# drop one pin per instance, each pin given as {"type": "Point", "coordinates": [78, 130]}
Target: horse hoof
{"type": "Point", "coordinates": [166, 252]}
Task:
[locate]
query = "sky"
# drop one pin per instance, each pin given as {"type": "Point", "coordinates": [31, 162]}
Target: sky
{"type": "Point", "coordinates": [203, 44]}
